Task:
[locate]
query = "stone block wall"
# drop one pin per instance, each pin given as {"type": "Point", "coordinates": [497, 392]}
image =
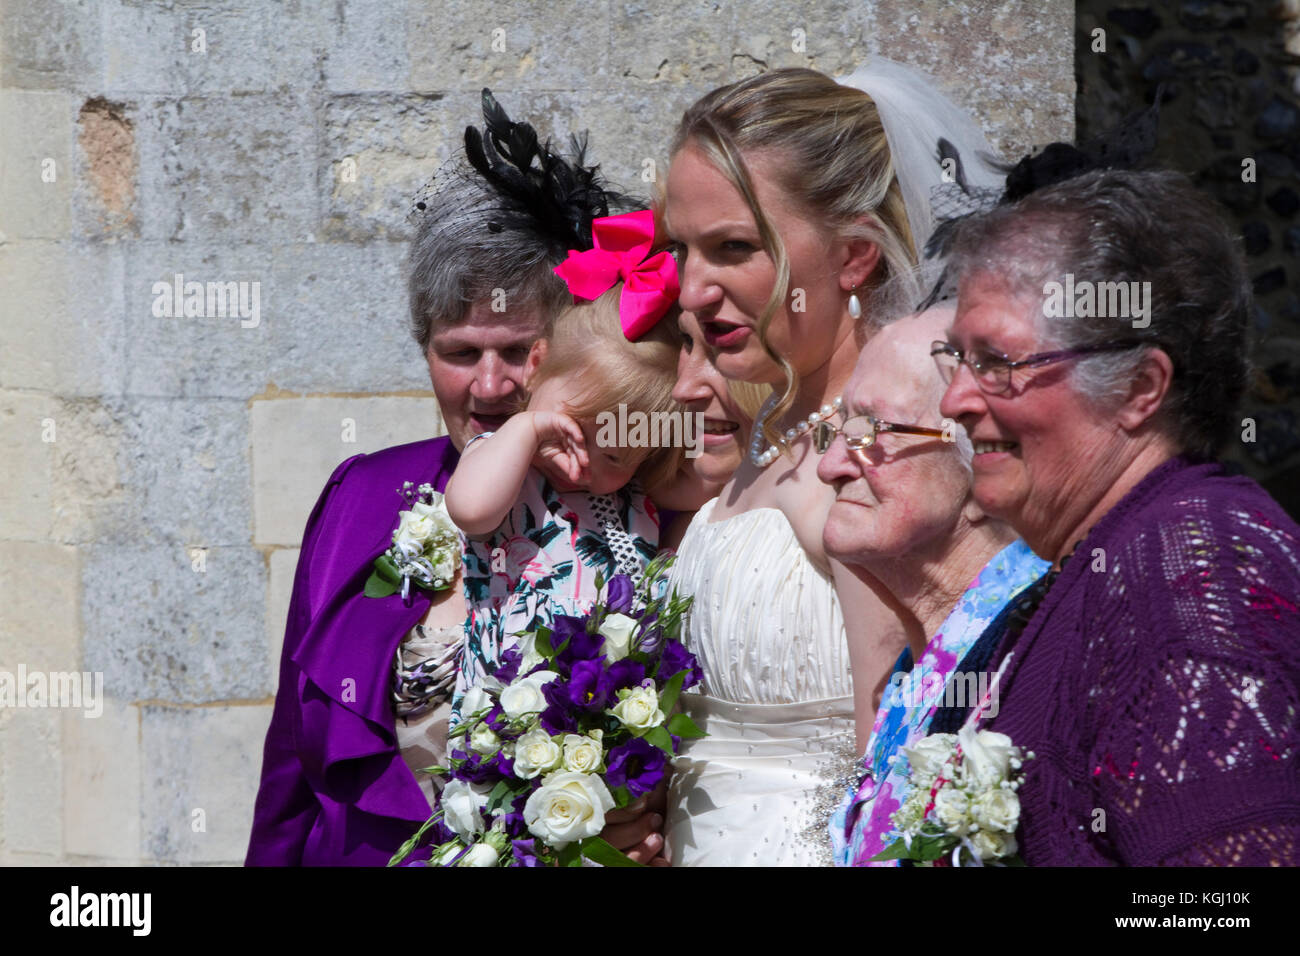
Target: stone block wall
{"type": "Point", "coordinates": [158, 469]}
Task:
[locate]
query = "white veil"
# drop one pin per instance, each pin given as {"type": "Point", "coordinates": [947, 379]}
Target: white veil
{"type": "Point", "coordinates": [915, 115]}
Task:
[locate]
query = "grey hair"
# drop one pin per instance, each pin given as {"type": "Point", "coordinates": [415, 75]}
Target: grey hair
{"type": "Point", "coordinates": [1134, 227]}
{"type": "Point", "coordinates": [457, 259]}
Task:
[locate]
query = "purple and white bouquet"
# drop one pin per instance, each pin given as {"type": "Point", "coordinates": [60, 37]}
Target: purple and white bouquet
{"type": "Point", "coordinates": [576, 721]}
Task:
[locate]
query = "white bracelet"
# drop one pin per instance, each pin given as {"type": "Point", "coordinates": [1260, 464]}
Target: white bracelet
{"type": "Point", "coordinates": [474, 439]}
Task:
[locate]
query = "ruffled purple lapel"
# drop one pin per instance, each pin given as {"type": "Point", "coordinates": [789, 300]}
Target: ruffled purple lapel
{"type": "Point", "coordinates": [346, 652]}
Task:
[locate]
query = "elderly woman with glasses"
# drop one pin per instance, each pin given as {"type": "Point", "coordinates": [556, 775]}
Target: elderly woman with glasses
{"type": "Point", "coordinates": [1155, 671]}
{"type": "Point", "coordinates": [903, 514]}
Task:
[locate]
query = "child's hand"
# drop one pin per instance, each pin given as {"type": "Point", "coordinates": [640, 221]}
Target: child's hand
{"type": "Point", "coordinates": [561, 447]}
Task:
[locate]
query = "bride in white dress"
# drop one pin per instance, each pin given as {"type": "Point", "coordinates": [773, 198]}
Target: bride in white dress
{"type": "Point", "coordinates": [791, 199]}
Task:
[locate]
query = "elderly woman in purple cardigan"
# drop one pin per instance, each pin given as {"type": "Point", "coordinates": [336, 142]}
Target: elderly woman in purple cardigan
{"type": "Point", "coordinates": [1096, 359]}
{"type": "Point", "coordinates": [365, 683]}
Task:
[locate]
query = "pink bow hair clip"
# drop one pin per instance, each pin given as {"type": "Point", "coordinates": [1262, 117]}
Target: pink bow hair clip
{"type": "Point", "coordinates": [650, 286]}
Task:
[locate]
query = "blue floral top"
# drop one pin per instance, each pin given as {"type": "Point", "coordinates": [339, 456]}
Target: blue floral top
{"type": "Point", "coordinates": [542, 562]}
{"type": "Point", "coordinates": [861, 827]}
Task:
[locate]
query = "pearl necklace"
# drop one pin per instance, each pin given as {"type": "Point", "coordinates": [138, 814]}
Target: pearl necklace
{"type": "Point", "coordinates": [761, 459]}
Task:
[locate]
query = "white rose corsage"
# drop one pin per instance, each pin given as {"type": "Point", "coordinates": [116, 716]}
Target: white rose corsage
{"type": "Point", "coordinates": [425, 551]}
{"type": "Point", "coordinates": [963, 809]}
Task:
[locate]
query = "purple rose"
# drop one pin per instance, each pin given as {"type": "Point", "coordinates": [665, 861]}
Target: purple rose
{"type": "Point", "coordinates": [513, 818]}
{"type": "Point", "coordinates": [586, 689]}
{"type": "Point", "coordinates": [677, 658]}
{"type": "Point", "coordinates": [618, 597]}
{"type": "Point", "coordinates": [496, 719]}
{"type": "Point", "coordinates": [505, 766]}
{"type": "Point", "coordinates": [624, 673]}
{"type": "Point", "coordinates": [525, 853]}
{"type": "Point", "coordinates": [507, 668]}
{"type": "Point", "coordinates": [475, 769]}
{"type": "Point", "coordinates": [558, 716]}
{"type": "Point", "coordinates": [581, 645]}
{"type": "Point", "coordinates": [637, 765]}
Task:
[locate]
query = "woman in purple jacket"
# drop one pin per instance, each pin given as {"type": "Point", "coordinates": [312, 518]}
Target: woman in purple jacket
{"type": "Point", "coordinates": [1096, 360]}
{"type": "Point", "coordinates": [364, 681]}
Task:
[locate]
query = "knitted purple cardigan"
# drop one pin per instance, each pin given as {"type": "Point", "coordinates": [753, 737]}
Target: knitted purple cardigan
{"type": "Point", "coordinates": [1159, 683]}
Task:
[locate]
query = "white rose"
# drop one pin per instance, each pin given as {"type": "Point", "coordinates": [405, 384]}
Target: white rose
{"type": "Point", "coordinates": [422, 510]}
{"type": "Point", "coordinates": [638, 709]}
{"type": "Point", "coordinates": [528, 648]}
{"type": "Point", "coordinates": [997, 810]}
{"type": "Point", "coordinates": [524, 696]}
{"type": "Point", "coordinates": [986, 757]}
{"type": "Point", "coordinates": [484, 740]}
{"type": "Point", "coordinates": [928, 757]}
{"type": "Point", "coordinates": [584, 754]}
{"type": "Point", "coordinates": [951, 808]}
{"type": "Point", "coordinates": [617, 630]}
{"type": "Point", "coordinates": [437, 514]}
{"type": "Point", "coordinates": [461, 802]}
{"type": "Point", "coordinates": [568, 807]}
{"type": "Point", "coordinates": [993, 846]}
{"type": "Point", "coordinates": [476, 700]}
{"type": "Point", "coordinates": [480, 854]}
{"type": "Point", "coordinates": [413, 530]}
{"type": "Point", "coordinates": [536, 753]}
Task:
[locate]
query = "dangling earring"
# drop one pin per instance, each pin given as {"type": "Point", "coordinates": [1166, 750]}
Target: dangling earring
{"type": "Point", "coordinates": [855, 307]}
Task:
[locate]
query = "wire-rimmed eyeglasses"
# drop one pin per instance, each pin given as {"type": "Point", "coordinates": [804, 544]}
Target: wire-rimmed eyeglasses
{"type": "Point", "coordinates": [860, 431]}
{"type": "Point", "coordinates": [992, 370]}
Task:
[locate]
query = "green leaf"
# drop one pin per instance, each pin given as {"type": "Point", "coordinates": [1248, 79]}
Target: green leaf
{"type": "Point", "coordinates": [571, 855]}
{"type": "Point", "coordinates": [387, 570]}
{"type": "Point", "coordinates": [679, 725]}
{"type": "Point", "coordinates": [599, 851]}
{"type": "Point", "coordinates": [542, 644]}
{"type": "Point", "coordinates": [377, 587]}
{"type": "Point", "coordinates": [927, 849]}
{"type": "Point", "coordinates": [895, 851]}
{"type": "Point", "coordinates": [668, 699]}
{"type": "Point", "coordinates": [622, 797]}
{"type": "Point", "coordinates": [659, 737]}
{"type": "Point", "coordinates": [499, 795]}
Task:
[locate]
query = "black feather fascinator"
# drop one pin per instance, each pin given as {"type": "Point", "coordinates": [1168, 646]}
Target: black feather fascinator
{"type": "Point", "coordinates": [534, 191]}
{"type": "Point", "coordinates": [1126, 146]}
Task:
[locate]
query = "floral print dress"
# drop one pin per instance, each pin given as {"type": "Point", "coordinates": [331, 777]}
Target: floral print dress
{"type": "Point", "coordinates": [542, 562]}
{"type": "Point", "coordinates": [861, 827]}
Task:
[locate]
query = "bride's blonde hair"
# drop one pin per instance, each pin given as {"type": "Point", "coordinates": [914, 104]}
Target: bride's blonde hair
{"type": "Point", "coordinates": [833, 160]}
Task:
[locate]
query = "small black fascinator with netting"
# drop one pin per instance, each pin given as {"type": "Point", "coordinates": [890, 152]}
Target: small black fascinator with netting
{"type": "Point", "coordinates": [1128, 145]}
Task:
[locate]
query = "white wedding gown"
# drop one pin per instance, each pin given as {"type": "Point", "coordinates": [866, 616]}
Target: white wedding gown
{"type": "Point", "coordinates": [775, 701]}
